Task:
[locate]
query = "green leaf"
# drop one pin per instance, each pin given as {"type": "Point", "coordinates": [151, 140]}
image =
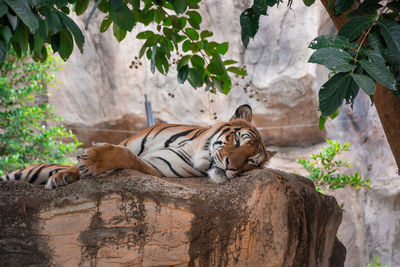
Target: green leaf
{"type": "Point", "coordinates": [144, 35]}
{"type": "Point", "coordinates": [43, 30]}
{"type": "Point", "coordinates": [194, 19]}
{"type": "Point", "coordinates": [333, 92]}
{"type": "Point", "coordinates": [142, 51]}
{"type": "Point", "coordinates": [366, 8]}
{"type": "Point", "coordinates": [376, 41]}
{"type": "Point", "coordinates": [194, 24]}
{"type": "Point", "coordinates": [342, 6]}
{"type": "Point", "coordinates": [308, 2]}
{"type": "Point", "coordinates": [260, 7]}
{"type": "Point", "coordinates": [158, 15]}
{"type": "Point", "coordinates": [196, 77]}
{"type": "Point", "coordinates": [217, 84]}
{"type": "Point", "coordinates": [183, 61]}
{"type": "Point", "coordinates": [81, 6]}
{"type": "Point", "coordinates": [180, 6]}
{"type": "Point", "coordinates": [183, 74]}
{"type": "Point", "coordinates": [121, 15]}
{"type": "Point", "coordinates": [249, 21]}
{"type": "Point", "coordinates": [5, 34]}
{"type": "Point", "coordinates": [334, 114]}
{"type": "Point", "coordinates": [135, 4]}
{"type": "Point", "coordinates": [13, 20]}
{"type": "Point", "coordinates": [55, 42]}
{"type": "Point", "coordinates": [41, 56]}
{"type": "Point", "coordinates": [390, 31]}
{"type": "Point", "coordinates": [3, 50]}
{"type": "Point", "coordinates": [74, 29]}
{"type": "Point", "coordinates": [186, 45]}
{"type": "Point", "coordinates": [226, 84]}
{"type": "Point", "coordinates": [379, 73]}
{"type": "Point", "coordinates": [160, 61]}
{"type": "Point", "coordinates": [21, 37]}
{"type": "Point", "coordinates": [105, 24]}
{"type": "Point", "coordinates": [103, 6]}
{"type": "Point", "coordinates": [3, 8]}
{"type": "Point", "coordinates": [66, 44]}
{"type": "Point", "coordinates": [216, 66]}
{"type": "Point", "coordinates": [335, 41]}
{"type": "Point", "coordinates": [322, 121]}
{"type": "Point", "coordinates": [192, 33]}
{"type": "Point", "coordinates": [118, 32]}
{"type": "Point", "coordinates": [237, 71]}
{"type": "Point", "coordinates": [355, 27]}
{"type": "Point", "coordinates": [365, 83]}
{"type": "Point", "coordinates": [205, 34]}
{"type": "Point", "coordinates": [24, 12]}
{"type": "Point", "coordinates": [222, 48]}
{"type": "Point", "coordinates": [333, 58]}
{"type": "Point", "coordinates": [197, 61]}
{"type": "Point", "coordinates": [229, 62]}
{"type": "Point", "coordinates": [53, 20]}
{"type": "Point", "coordinates": [61, 3]}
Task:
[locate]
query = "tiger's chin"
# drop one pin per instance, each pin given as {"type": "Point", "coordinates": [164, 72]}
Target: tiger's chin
{"type": "Point", "coordinates": [217, 175]}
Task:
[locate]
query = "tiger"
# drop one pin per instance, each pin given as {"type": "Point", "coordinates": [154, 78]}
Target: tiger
{"type": "Point", "coordinates": [221, 151]}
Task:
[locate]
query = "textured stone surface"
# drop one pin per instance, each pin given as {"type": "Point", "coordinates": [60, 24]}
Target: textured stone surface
{"type": "Point", "coordinates": [266, 218]}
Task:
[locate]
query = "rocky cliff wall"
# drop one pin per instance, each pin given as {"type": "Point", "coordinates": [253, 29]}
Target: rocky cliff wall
{"type": "Point", "coordinates": [266, 218]}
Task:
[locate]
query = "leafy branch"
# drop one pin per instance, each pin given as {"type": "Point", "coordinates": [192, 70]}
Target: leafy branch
{"type": "Point", "coordinates": [366, 34]}
{"type": "Point", "coordinates": [181, 29]}
{"type": "Point", "coordinates": [323, 168]}
{"type": "Point", "coordinates": [353, 64]}
{"type": "Point", "coordinates": [28, 26]}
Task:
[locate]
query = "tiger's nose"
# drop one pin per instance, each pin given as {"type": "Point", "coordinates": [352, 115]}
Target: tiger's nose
{"type": "Point", "coordinates": [228, 163]}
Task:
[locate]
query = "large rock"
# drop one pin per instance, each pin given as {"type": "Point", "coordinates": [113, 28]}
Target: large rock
{"type": "Point", "coordinates": [98, 87]}
{"type": "Point", "coordinates": [266, 218]}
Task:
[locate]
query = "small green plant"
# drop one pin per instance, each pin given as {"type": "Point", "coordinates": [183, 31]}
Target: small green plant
{"type": "Point", "coordinates": [323, 168]}
{"type": "Point", "coordinates": [377, 263]}
{"type": "Point", "coordinates": [25, 137]}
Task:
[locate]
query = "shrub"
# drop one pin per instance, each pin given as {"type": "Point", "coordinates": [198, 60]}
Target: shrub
{"type": "Point", "coordinates": [323, 168]}
{"type": "Point", "coordinates": [25, 137]}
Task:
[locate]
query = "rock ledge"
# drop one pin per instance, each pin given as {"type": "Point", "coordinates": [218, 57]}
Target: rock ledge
{"type": "Point", "coordinates": [265, 218]}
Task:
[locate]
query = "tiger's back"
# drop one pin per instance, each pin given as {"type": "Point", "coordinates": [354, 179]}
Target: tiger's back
{"type": "Point", "coordinates": [221, 151]}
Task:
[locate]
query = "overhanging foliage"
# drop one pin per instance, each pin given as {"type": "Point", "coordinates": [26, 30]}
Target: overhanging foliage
{"type": "Point", "coordinates": [366, 50]}
{"type": "Point", "coordinates": [28, 25]}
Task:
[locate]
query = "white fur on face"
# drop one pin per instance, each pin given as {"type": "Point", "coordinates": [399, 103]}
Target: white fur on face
{"type": "Point", "coordinates": [217, 175]}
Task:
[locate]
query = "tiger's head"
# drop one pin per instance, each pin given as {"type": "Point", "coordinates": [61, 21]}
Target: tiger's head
{"type": "Point", "coordinates": [236, 147]}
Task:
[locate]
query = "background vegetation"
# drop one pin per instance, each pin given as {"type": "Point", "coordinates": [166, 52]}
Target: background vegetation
{"type": "Point", "coordinates": [25, 137]}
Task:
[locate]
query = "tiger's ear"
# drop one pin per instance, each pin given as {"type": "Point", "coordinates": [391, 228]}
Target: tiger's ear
{"type": "Point", "coordinates": [243, 112]}
{"type": "Point", "coordinates": [271, 153]}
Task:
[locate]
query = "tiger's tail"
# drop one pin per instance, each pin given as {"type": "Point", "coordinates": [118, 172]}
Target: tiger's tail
{"type": "Point", "coordinates": [35, 174]}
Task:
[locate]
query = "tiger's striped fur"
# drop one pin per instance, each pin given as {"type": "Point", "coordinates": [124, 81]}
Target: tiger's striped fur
{"type": "Point", "coordinates": [41, 172]}
{"type": "Point", "coordinates": [221, 151]}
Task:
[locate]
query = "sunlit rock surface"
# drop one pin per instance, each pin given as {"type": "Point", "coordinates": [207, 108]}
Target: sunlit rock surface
{"type": "Point", "coordinates": [265, 218]}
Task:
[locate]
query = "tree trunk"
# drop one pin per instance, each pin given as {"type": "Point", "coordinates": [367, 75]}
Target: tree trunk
{"type": "Point", "coordinates": [387, 104]}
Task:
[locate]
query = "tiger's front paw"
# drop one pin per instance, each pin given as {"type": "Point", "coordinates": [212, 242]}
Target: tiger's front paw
{"type": "Point", "coordinates": [61, 178]}
{"type": "Point", "coordinates": [94, 161]}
